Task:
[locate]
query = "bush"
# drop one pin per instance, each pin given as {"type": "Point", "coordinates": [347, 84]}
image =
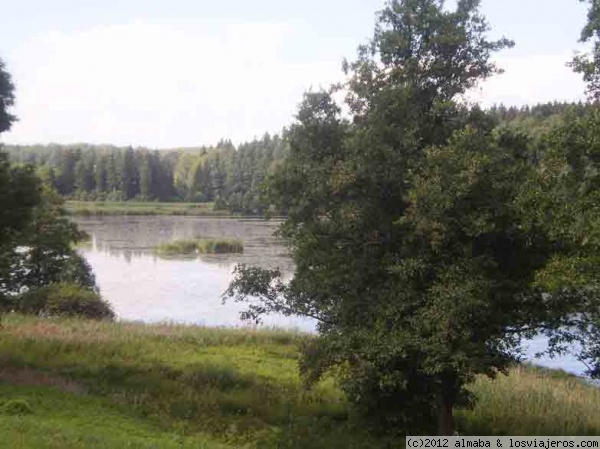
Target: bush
{"type": "Point", "coordinates": [64, 299]}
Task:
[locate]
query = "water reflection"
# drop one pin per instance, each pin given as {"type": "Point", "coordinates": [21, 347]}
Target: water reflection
{"type": "Point", "coordinates": [142, 286]}
{"type": "Point", "coordinates": [135, 237]}
{"type": "Point", "coordinates": [224, 261]}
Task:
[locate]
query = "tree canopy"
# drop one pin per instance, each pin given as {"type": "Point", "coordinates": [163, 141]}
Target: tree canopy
{"type": "Point", "coordinates": [413, 224]}
{"type": "Point", "coordinates": [227, 175]}
{"type": "Point", "coordinates": [7, 98]}
{"type": "Point", "coordinates": [35, 239]}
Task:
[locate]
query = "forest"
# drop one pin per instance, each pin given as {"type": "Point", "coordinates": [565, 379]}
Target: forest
{"type": "Point", "coordinates": [229, 176]}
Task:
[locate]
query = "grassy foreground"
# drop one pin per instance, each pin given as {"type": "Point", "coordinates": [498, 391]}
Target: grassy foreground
{"type": "Point", "coordinates": [142, 208]}
{"type": "Point", "coordinates": [200, 246]}
{"type": "Point", "coordinates": [67, 383]}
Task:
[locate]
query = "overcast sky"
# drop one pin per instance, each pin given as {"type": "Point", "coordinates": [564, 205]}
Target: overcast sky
{"type": "Point", "coordinates": [174, 73]}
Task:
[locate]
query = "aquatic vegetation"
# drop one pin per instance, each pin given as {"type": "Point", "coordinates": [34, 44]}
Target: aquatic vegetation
{"type": "Point", "coordinates": [200, 246]}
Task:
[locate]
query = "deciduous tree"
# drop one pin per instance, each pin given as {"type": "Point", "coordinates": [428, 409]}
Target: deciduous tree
{"type": "Point", "coordinates": [35, 239]}
{"type": "Point", "coordinates": [411, 246]}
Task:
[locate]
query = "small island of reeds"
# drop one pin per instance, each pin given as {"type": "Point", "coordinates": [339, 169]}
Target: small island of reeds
{"type": "Point", "coordinates": [190, 247]}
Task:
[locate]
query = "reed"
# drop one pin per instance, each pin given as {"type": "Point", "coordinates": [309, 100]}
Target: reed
{"type": "Point", "coordinates": [200, 246]}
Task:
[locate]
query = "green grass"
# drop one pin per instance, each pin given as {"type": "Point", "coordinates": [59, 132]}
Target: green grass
{"type": "Point", "coordinates": [200, 246]}
{"type": "Point", "coordinates": [238, 387]}
{"type": "Point", "coordinates": [534, 401]}
{"type": "Point", "coordinates": [142, 208]}
{"type": "Point", "coordinates": [67, 421]}
{"type": "Point", "coordinates": [101, 384]}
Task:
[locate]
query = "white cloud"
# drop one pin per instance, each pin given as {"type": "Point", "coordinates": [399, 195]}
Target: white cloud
{"type": "Point", "coordinates": [176, 85]}
{"type": "Point", "coordinates": [158, 85]}
{"type": "Point", "coordinates": [531, 79]}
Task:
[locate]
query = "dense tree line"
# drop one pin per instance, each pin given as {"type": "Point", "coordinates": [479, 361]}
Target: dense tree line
{"type": "Point", "coordinates": [229, 176]}
{"type": "Point", "coordinates": [539, 119]}
{"type": "Point", "coordinates": [540, 111]}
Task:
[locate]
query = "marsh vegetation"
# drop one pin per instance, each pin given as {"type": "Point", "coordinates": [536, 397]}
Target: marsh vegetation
{"type": "Point", "coordinates": [195, 247]}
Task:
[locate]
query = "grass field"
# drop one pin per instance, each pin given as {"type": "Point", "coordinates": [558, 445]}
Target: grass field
{"type": "Point", "coordinates": [67, 383]}
{"type": "Point", "coordinates": [142, 208]}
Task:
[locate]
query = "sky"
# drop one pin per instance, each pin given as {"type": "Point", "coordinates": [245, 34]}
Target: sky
{"type": "Point", "coordinates": [183, 73]}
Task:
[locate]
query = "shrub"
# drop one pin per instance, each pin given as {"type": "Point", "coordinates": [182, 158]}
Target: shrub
{"type": "Point", "coordinates": [64, 299]}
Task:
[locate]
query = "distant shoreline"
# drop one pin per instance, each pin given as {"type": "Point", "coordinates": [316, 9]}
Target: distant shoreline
{"type": "Point", "coordinates": [145, 208]}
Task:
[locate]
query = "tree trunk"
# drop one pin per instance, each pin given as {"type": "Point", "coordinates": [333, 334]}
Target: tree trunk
{"type": "Point", "coordinates": [446, 419]}
{"type": "Point", "coordinates": [446, 407]}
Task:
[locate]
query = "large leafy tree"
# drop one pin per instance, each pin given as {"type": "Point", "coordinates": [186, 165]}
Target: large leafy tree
{"type": "Point", "coordinates": [413, 246]}
{"type": "Point", "coordinates": [44, 252]}
{"type": "Point", "coordinates": [19, 190]}
{"type": "Point", "coordinates": [35, 240]}
{"type": "Point", "coordinates": [7, 98]}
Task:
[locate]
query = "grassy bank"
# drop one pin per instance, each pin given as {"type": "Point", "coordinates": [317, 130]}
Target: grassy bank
{"type": "Point", "coordinates": [97, 384]}
{"type": "Point", "coordinates": [199, 246]}
{"type": "Point", "coordinates": [142, 208]}
{"type": "Point", "coordinates": [533, 401]}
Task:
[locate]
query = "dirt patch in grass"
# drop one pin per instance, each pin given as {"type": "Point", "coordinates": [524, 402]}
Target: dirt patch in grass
{"type": "Point", "coordinates": [32, 377]}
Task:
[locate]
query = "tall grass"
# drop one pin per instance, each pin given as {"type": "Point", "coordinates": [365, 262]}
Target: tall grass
{"type": "Point", "coordinates": [200, 246]}
{"type": "Point", "coordinates": [236, 388]}
{"type": "Point", "coordinates": [240, 387]}
{"type": "Point", "coordinates": [73, 421]}
{"type": "Point", "coordinates": [533, 401]}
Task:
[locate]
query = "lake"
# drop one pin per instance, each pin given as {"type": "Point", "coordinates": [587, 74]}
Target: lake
{"type": "Point", "coordinates": [143, 287]}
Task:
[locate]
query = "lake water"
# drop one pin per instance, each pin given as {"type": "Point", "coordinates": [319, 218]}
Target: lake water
{"type": "Point", "coordinates": [143, 287]}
